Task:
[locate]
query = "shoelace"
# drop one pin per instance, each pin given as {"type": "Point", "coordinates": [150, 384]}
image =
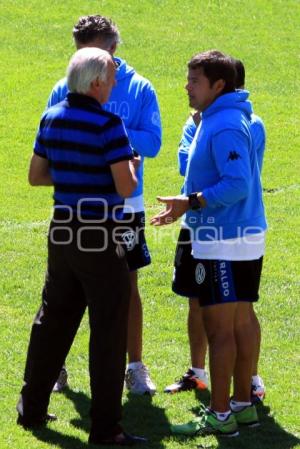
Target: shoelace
{"type": "Point", "coordinates": [201, 414]}
{"type": "Point", "coordinates": [218, 424]}
{"type": "Point", "coordinates": [203, 410]}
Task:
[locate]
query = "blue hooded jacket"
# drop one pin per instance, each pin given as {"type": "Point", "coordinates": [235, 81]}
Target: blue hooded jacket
{"type": "Point", "coordinates": [258, 134]}
{"type": "Point", "coordinates": [222, 164]}
{"type": "Point", "coordinates": [134, 100]}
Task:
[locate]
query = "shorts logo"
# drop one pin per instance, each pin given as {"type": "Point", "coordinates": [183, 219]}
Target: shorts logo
{"type": "Point", "coordinates": [145, 251]}
{"type": "Point", "coordinates": [224, 279]}
{"type": "Point", "coordinates": [129, 238]}
{"type": "Point", "coordinates": [200, 273]}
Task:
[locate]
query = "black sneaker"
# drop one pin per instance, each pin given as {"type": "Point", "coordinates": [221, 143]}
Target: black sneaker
{"type": "Point", "coordinates": [189, 381]}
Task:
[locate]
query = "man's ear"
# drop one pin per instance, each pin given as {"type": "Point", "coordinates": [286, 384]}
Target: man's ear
{"type": "Point", "coordinates": [112, 48]}
{"type": "Point", "coordinates": [219, 86]}
{"type": "Point", "coordinates": [96, 83]}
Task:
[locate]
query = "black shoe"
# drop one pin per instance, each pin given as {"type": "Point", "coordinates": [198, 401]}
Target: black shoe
{"type": "Point", "coordinates": [189, 381]}
{"type": "Point", "coordinates": [122, 439]}
{"type": "Point", "coordinates": [32, 424]}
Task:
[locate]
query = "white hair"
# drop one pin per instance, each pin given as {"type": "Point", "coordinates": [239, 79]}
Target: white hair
{"type": "Point", "coordinates": [85, 66]}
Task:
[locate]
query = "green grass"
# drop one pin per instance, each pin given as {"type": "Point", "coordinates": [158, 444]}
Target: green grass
{"type": "Point", "coordinates": [159, 37]}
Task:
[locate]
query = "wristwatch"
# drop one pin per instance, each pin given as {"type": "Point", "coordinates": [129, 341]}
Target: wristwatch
{"type": "Point", "coordinates": [193, 201]}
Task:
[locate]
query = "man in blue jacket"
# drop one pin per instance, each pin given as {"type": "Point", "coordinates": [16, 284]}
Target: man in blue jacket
{"type": "Point", "coordinates": [134, 100]}
{"type": "Point", "coordinates": [196, 376]}
{"type": "Point", "coordinates": [224, 229]}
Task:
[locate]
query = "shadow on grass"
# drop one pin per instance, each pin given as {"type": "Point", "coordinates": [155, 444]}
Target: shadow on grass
{"type": "Point", "coordinates": [268, 435]}
{"type": "Point", "coordinates": [143, 416]}
{"type": "Point", "coordinates": [59, 439]}
{"type": "Point", "coordinates": [140, 416]}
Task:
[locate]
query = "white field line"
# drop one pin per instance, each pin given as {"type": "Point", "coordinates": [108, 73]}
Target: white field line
{"type": "Point", "coordinates": [12, 226]}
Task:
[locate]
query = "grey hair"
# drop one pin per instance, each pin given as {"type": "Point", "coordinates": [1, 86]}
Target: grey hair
{"type": "Point", "coordinates": [85, 66]}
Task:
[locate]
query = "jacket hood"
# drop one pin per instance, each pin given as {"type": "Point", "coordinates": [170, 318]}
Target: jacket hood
{"type": "Point", "coordinates": [233, 100]}
{"type": "Point", "coordinates": [124, 70]}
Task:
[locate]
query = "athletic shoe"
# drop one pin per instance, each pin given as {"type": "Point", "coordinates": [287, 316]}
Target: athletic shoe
{"type": "Point", "coordinates": [258, 391]}
{"type": "Point", "coordinates": [138, 381]}
{"type": "Point", "coordinates": [247, 416]}
{"type": "Point", "coordinates": [62, 381]}
{"type": "Point", "coordinates": [189, 381]}
{"type": "Point", "coordinates": [207, 423]}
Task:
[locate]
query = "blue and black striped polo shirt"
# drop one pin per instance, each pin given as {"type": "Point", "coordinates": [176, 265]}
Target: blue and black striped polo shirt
{"type": "Point", "coordinates": [81, 140]}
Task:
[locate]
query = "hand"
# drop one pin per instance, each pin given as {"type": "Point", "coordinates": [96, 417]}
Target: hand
{"type": "Point", "coordinates": [176, 206]}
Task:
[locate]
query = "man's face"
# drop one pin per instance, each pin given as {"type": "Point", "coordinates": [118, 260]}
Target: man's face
{"type": "Point", "coordinates": [201, 93]}
{"type": "Point", "coordinates": [106, 86]}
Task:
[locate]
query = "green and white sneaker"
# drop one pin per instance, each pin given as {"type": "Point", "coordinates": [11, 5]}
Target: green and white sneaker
{"type": "Point", "coordinates": [247, 416]}
{"type": "Point", "coordinates": [206, 424]}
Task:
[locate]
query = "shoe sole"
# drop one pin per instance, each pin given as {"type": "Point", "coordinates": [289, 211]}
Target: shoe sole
{"type": "Point", "coordinates": [251, 425]}
{"type": "Point", "coordinates": [256, 424]}
{"type": "Point", "coordinates": [180, 390]}
{"type": "Point", "coordinates": [218, 433]}
{"type": "Point", "coordinates": [209, 431]}
{"type": "Point", "coordinates": [198, 385]}
{"type": "Point", "coordinates": [231, 435]}
{"type": "Point", "coordinates": [142, 393]}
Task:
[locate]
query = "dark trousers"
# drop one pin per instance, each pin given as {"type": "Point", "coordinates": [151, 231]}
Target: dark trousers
{"type": "Point", "coordinates": [79, 274]}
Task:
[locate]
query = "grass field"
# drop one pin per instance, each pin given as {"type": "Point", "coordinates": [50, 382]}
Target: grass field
{"type": "Point", "coordinates": [159, 37]}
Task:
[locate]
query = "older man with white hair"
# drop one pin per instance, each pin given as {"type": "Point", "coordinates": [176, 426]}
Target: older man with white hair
{"type": "Point", "coordinates": [83, 151]}
{"type": "Point", "coordinates": [134, 100]}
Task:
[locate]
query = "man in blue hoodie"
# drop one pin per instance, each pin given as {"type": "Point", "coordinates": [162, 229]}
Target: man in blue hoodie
{"type": "Point", "coordinates": [224, 228]}
{"type": "Point", "coordinates": [196, 376]}
{"type": "Point", "coordinates": [134, 100]}
{"type": "Point", "coordinates": [189, 130]}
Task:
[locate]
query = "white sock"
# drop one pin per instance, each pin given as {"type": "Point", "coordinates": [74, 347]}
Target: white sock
{"type": "Point", "coordinates": [221, 416]}
{"type": "Point", "coordinates": [237, 406]}
{"type": "Point", "coordinates": [199, 371]}
{"type": "Point", "coordinates": [134, 365]}
{"type": "Point", "coordinates": [256, 380]}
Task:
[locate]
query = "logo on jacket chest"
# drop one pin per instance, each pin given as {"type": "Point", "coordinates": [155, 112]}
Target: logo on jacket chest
{"type": "Point", "coordinates": [122, 109]}
{"type": "Point", "coordinates": [233, 156]}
